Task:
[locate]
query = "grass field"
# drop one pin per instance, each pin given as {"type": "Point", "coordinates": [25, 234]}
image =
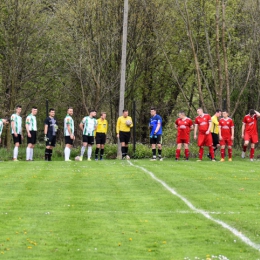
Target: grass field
{"type": "Point", "coordinates": [116, 209]}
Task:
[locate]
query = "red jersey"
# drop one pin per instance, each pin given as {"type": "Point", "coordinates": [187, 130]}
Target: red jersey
{"type": "Point", "coordinates": [226, 126]}
{"type": "Point", "coordinates": [250, 124]}
{"type": "Point", "coordinates": [183, 126]}
{"type": "Point", "coordinates": [203, 123]}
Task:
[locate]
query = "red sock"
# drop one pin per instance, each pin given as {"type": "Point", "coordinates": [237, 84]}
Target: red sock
{"type": "Point", "coordinates": [252, 153]}
{"type": "Point", "coordinates": [222, 151]}
{"type": "Point", "coordinates": [177, 154]}
{"type": "Point", "coordinates": [244, 148]}
{"type": "Point", "coordinates": [187, 153]}
{"type": "Point", "coordinates": [201, 151]}
{"type": "Point", "coordinates": [211, 152]}
{"type": "Point", "coordinates": [229, 153]}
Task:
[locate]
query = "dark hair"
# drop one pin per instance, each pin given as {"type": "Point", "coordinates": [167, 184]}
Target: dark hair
{"type": "Point", "coordinates": [34, 107]}
{"type": "Point", "coordinates": [182, 112]}
{"type": "Point", "coordinates": [251, 111]}
{"type": "Point", "coordinates": [153, 108]}
{"type": "Point", "coordinates": [92, 110]}
{"type": "Point", "coordinates": [18, 106]}
{"type": "Point", "coordinates": [224, 110]}
{"type": "Point", "coordinates": [51, 109]}
{"type": "Point", "coordinates": [218, 110]}
{"type": "Point", "coordinates": [125, 110]}
{"type": "Point", "coordinates": [70, 108]}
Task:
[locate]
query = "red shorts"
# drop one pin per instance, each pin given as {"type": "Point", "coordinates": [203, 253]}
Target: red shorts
{"type": "Point", "coordinates": [205, 140]}
{"type": "Point", "coordinates": [227, 142]}
{"type": "Point", "coordinates": [181, 140]}
{"type": "Point", "coordinates": [252, 138]}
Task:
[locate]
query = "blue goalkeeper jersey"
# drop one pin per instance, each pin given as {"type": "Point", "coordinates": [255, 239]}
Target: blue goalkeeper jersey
{"type": "Point", "coordinates": [154, 121]}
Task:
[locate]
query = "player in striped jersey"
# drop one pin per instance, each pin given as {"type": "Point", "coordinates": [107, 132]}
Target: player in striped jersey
{"type": "Point", "coordinates": [31, 129]}
{"type": "Point", "coordinates": [2, 123]}
{"type": "Point", "coordinates": [16, 130]}
{"type": "Point", "coordinates": [88, 126]}
{"type": "Point", "coordinates": [68, 133]}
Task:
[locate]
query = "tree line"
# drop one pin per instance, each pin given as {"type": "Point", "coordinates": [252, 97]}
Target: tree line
{"type": "Point", "coordinates": [181, 55]}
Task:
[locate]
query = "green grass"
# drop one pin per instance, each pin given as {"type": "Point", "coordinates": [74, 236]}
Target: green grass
{"type": "Point", "coordinates": [112, 210]}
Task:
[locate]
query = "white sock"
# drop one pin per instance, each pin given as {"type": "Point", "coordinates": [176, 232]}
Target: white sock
{"type": "Point", "coordinates": [15, 152]}
{"type": "Point", "coordinates": [28, 153]}
{"type": "Point", "coordinates": [83, 148]}
{"type": "Point", "coordinates": [89, 151]}
{"type": "Point", "coordinates": [67, 153]}
{"type": "Point", "coordinates": [31, 154]}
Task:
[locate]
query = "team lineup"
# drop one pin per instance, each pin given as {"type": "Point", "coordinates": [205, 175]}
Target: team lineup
{"type": "Point", "coordinates": [213, 132]}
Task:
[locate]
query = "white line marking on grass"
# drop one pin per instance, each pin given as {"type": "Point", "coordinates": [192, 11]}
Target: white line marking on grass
{"type": "Point", "coordinates": [202, 212]}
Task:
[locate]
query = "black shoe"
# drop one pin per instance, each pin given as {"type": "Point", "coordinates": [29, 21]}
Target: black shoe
{"type": "Point", "coordinates": [208, 155]}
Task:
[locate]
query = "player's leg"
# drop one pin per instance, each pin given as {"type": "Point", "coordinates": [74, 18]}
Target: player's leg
{"type": "Point", "coordinates": [229, 153]}
{"type": "Point", "coordinates": [127, 139]}
{"type": "Point", "coordinates": [159, 147]}
{"type": "Point", "coordinates": [98, 142]}
{"type": "Point", "coordinates": [186, 150]}
{"type": "Point", "coordinates": [153, 145]}
{"type": "Point", "coordinates": [68, 147]}
{"type": "Point", "coordinates": [83, 147]}
{"type": "Point", "coordinates": [246, 142]}
{"type": "Point", "coordinates": [178, 151]}
{"type": "Point", "coordinates": [102, 149]}
{"type": "Point", "coordinates": [201, 140]}
{"type": "Point", "coordinates": [17, 141]}
{"type": "Point", "coordinates": [90, 143]}
{"type": "Point", "coordinates": [222, 150]}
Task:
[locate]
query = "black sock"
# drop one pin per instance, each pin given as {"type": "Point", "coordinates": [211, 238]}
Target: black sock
{"type": "Point", "coordinates": [101, 153]}
{"type": "Point", "coordinates": [159, 153]}
{"type": "Point", "coordinates": [50, 155]}
{"type": "Point", "coordinates": [46, 154]}
{"type": "Point", "coordinates": [96, 153]}
{"type": "Point", "coordinates": [126, 150]}
{"type": "Point", "coordinates": [123, 151]}
{"type": "Point", "coordinates": [154, 152]}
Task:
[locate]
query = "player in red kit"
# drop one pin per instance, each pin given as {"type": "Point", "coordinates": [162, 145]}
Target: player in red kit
{"type": "Point", "coordinates": [250, 132]}
{"type": "Point", "coordinates": [226, 135]}
{"type": "Point", "coordinates": [183, 125]}
{"type": "Point", "coordinates": [203, 125]}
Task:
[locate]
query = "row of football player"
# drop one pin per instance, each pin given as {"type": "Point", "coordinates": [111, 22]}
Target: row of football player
{"type": "Point", "coordinates": [212, 132]}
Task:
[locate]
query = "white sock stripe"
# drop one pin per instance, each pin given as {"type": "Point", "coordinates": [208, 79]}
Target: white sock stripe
{"type": "Point", "coordinates": [237, 233]}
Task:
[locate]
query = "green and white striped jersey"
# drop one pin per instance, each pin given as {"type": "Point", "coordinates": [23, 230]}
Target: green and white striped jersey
{"type": "Point", "coordinates": [68, 121]}
{"type": "Point", "coordinates": [1, 126]}
{"type": "Point", "coordinates": [31, 121]}
{"type": "Point", "coordinates": [89, 125]}
{"type": "Point", "coordinates": [17, 124]}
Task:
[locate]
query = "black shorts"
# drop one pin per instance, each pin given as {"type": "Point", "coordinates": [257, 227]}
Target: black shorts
{"type": "Point", "coordinates": [17, 139]}
{"type": "Point", "coordinates": [32, 139]}
{"type": "Point", "coordinates": [124, 137]}
{"type": "Point", "coordinates": [100, 138]}
{"type": "Point", "coordinates": [88, 139]}
{"type": "Point", "coordinates": [68, 140]}
{"type": "Point", "coordinates": [156, 139]}
{"type": "Point", "coordinates": [215, 139]}
{"type": "Point", "coordinates": [51, 141]}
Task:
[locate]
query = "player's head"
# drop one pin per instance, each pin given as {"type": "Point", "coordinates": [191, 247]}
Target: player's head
{"type": "Point", "coordinates": [70, 111]}
{"type": "Point", "coordinates": [200, 111]}
{"type": "Point", "coordinates": [125, 113]}
{"type": "Point", "coordinates": [18, 109]}
{"type": "Point", "coordinates": [103, 115]}
{"type": "Point", "coordinates": [182, 114]}
{"type": "Point", "coordinates": [34, 111]}
{"type": "Point", "coordinates": [6, 121]}
{"type": "Point", "coordinates": [225, 113]}
{"type": "Point", "coordinates": [51, 112]}
{"type": "Point", "coordinates": [251, 112]}
{"type": "Point", "coordinates": [92, 112]}
{"type": "Point", "coordinates": [153, 111]}
{"type": "Point", "coordinates": [218, 112]}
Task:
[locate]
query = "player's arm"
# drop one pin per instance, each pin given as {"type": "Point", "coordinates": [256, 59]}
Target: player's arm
{"type": "Point", "coordinates": [69, 130]}
{"type": "Point", "coordinates": [27, 126]}
{"type": "Point", "coordinates": [232, 132]}
{"type": "Point", "coordinates": [81, 125]}
{"type": "Point", "coordinates": [214, 120]}
{"type": "Point", "coordinates": [195, 131]}
{"type": "Point", "coordinates": [243, 130]}
{"type": "Point", "coordinates": [117, 127]}
{"type": "Point", "coordinates": [257, 113]}
{"type": "Point", "coordinates": [219, 133]}
{"type": "Point", "coordinates": [132, 122]}
{"type": "Point", "coordinates": [210, 124]}
{"type": "Point", "coordinates": [106, 127]}
{"type": "Point", "coordinates": [13, 128]}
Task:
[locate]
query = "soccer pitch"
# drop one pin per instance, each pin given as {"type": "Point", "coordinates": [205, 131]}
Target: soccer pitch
{"type": "Point", "coordinates": [136, 209]}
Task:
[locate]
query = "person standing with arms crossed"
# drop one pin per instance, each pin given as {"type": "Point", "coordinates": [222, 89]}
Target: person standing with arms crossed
{"type": "Point", "coordinates": [68, 133]}
{"type": "Point", "coordinates": [203, 126]}
{"type": "Point", "coordinates": [88, 126]}
{"type": "Point", "coordinates": [31, 129]}
{"type": "Point", "coordinates": [16, 130]}
{"type": "Point", "coordinates": [100, 134]}
{"type": "Point", "coordinates": [123, 128]}
{"type": "Point", "coordinates": [50, 132]}
{"type": "Point", "coordinates": [155, 125]}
